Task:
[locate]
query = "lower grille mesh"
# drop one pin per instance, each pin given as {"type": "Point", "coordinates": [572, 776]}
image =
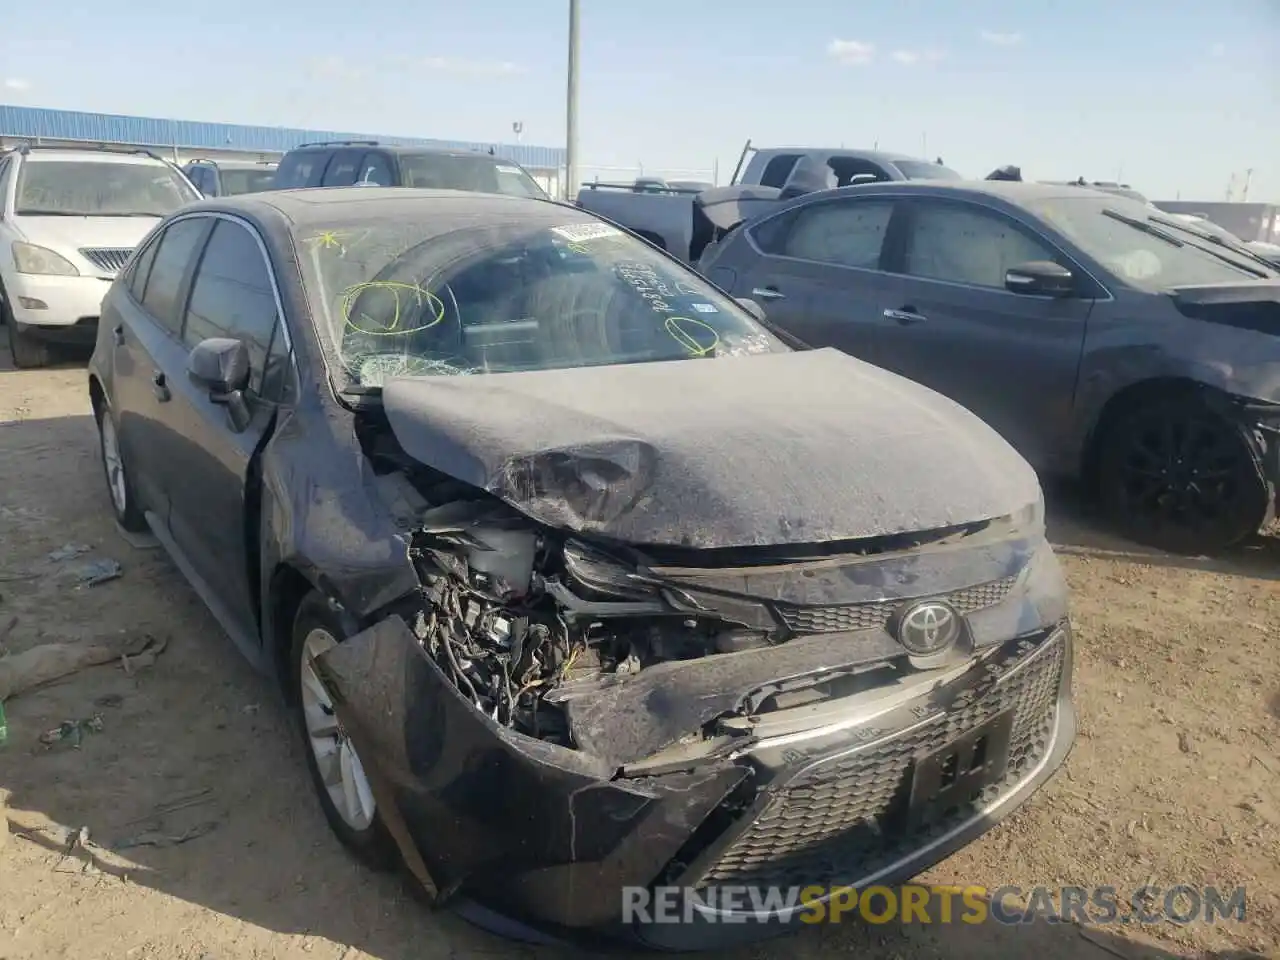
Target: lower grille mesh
{"type": "Point", "coordinates": [828, 825]}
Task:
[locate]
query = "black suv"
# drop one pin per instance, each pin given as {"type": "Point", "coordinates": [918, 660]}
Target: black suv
{"type": "Point", "coordinates": [229, 178]}
{"type": "Point", "coordinates": [345, 163]}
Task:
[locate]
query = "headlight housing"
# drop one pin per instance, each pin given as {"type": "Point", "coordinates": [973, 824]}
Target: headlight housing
{"type": "Point", "coordinates": [29, 258]}
{"type": "Point", "coordinates": [1030, 519]}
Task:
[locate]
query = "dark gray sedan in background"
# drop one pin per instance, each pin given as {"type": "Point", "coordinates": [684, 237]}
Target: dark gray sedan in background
{"type": "Point", "coordinates": [1103, 339]}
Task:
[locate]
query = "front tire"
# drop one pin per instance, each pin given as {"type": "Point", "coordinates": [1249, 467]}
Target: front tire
{"type": "Point", "coordinates": [1176, 475]}
{"type": "Point", "coordinates": [29, 353]}
{"type": "Point", "coordinates": [119, 486]}
{"type": "Point", "coordinates": [336, 772]}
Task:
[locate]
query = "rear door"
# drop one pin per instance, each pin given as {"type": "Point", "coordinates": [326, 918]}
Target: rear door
{"type": "Point", "coordinates": [145, 319]}
{"type": "Point", "coordinates": [816, 269]}
{"type": "Point", "coordinates": [233, 295]}
{"type": "Point", "coordinates": [1011, 358]}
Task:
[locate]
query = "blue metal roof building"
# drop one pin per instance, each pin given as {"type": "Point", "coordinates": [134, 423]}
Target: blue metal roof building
{"type": "Point", "coordinates": [38, 122]}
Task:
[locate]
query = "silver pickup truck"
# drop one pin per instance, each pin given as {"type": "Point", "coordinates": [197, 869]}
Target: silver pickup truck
{"type": "Point", "coordinates": [684, 220]}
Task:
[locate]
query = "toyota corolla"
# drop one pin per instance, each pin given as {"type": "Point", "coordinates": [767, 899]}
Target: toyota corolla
{"type": "Point", "coordinates": [576, 576]}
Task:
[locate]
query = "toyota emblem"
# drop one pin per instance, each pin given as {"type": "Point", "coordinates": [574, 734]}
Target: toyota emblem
{"type": "Point", "coordinates": [928, 627]}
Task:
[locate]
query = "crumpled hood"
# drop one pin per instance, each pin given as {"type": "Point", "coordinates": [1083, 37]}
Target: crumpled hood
{"type": "Point", "coordinates": [771, 449]}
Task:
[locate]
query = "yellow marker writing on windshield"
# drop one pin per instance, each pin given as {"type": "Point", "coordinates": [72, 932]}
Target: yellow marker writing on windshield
{"type": "Point", "coordinates": [686, 332]}
{"type": "Point", "coordinates": [409, 298]}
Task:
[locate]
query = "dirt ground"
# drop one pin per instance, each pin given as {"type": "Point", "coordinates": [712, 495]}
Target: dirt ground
{"type": "Point", "coordinates": [1175, 777]}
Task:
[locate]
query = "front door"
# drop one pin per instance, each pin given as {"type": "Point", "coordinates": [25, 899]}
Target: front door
{"type": "Point", "coordinates": [211, 521]}
{"type": "Point", "coordinates": [1011, 358]}
{"type": "Point", "coordinates": [144, 320]}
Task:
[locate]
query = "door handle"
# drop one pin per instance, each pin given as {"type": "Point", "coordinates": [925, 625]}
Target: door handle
{"type": "Point", "coordinates": [118, 333]}
{"type": "Point", "coordinates": [160, 386]}
{"type": "Point", "coordinates": [905, 316]}
{"type": "Point", "coordinates": [768, 293]}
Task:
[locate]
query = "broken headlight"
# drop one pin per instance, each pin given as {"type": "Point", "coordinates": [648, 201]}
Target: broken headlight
{"type": "Point", "coordinates": [597, 573]}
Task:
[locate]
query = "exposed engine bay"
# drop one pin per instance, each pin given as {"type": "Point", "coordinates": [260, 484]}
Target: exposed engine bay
{"type": "Point", "coordinates": [514, 616]}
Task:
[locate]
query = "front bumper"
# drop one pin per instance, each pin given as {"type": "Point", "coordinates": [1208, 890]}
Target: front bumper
{"type": "Point", "coordinates": [547, 839]}
{"type": "Point", "coordinates": [44, 303]}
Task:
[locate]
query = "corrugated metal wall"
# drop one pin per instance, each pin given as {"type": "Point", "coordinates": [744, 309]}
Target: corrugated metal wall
{"type": "Point", "coordinates": [33, 122]}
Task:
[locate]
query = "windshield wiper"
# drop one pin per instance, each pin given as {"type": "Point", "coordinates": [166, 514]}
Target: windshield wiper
{"type": "Point", "coordinates": [1145, 226]}
{"type": "Point", "coordinates": [1223, 243]}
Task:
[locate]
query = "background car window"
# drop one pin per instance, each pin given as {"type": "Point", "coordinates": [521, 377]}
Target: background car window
{"type": "Point", "coordinates": [374, 168]}
{"type": "Point", "coordinates": [176, 250]}
{"type": "Point", "coordinates": [341, 171]}
{"type": "Point", "coordinates": [777, 170]}
{"type": "Point", "coordinates": [231, 296]}
{"type": "Point", "coordinates": [96, 188]}
{"type": "Point", "coordinates": [848, 233]}
{"type": "Point", "coordinates": [295, 170]}
{"type": "Point", "coordinates": [963, 244]}
{"type": "Point", "coordinates": [142, 267]}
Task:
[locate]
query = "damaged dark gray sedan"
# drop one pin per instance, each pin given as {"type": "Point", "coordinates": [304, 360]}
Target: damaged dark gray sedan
{"type": "Point", "coordinates": [579, 579]}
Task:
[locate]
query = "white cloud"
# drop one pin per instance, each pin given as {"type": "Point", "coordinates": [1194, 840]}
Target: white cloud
{"type": "Point", "coordinates": [1000, 39]}
{"type": "Point", "coordinates": [1218, 50]}
{"type": "Point", "coordinates": [485, 68]}
{"type": "Point", "coordinates": [852, 52]}
{"type": "Point", "coordinates": [15, 83]}
{"type": "Point", "coordinates": [910, 57]}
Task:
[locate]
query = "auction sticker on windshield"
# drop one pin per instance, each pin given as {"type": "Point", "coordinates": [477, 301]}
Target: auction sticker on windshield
{"type": "Point", "coordinates": [704, 308]}
{"type": "Point", "coordinates": [579, 232]}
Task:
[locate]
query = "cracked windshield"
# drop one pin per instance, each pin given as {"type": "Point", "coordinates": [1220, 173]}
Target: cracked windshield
{"type": "Point", "coordinates": [539, 478]}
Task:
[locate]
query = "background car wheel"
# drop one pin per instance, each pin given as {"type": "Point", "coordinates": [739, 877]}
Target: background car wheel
{"type": "Point", "coordinates": [119, 487]}
{"type": "Point", "coordinates": [1174, 474]}
{"type": "Point", "coordinates": [28, 352]}
{"type": "Point", "coordinates": [335, 768]}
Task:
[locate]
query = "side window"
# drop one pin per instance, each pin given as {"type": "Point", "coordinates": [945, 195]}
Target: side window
{"type": "Point", "coordinates": [374, 168]}
{"type": "Point", "coordinates": [341, 171]}
{"type": "Point", "coordinates": [778, 169]}
{"type": "Point", "coordinates": [195, 175]}
{"type": "Point", "coordinates": [849, 233]}
{"type": "Point", "coordinates": [231, 296]}
{"type": "Point", "coordinates": [966, 244]}
{"type": "Point", "coordinates": [141, 267]}
{"type": "Point", "coordinates": [295, 170]}
{"type": "Point", "coordinates": [176, 249]}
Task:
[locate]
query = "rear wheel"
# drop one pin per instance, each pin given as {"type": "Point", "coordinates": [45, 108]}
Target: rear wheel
{"type": "Point", "coordinates": [336, 771]}
{"type": "Point", "coordinates": [28, 351]}
{"type": "Point", "coordinates": [119, 486]}
{"type": "Point", "coordinates": [1174, 474]}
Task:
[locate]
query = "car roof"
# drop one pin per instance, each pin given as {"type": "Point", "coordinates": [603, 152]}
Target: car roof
{"type": "Point", "coordinates": [97, 156]}
{"type": "Point", "coordinates": [444, 209]}
{"type": "Point", "coordinates": [235, 164]}
{"type": "Point", "coordinates": [1016, 192]}
{"type": "Point", "coordinates": [401, 148]}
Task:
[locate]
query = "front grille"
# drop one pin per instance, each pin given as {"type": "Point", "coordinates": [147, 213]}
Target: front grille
{"type": "Point", "coordinates": [871, 616]}
{"type": "Point", "coordinates": [110, 259]}
{"type": "Point", "coordinates": [831, 823]}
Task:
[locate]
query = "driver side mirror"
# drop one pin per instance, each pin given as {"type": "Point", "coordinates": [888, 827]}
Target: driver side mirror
{"type": "Point", "coordinates": [749, 305]}
{"type": "Point", "coordinates": [221, 366]}
{"type": "Point", "coordinates": [1041, 278]}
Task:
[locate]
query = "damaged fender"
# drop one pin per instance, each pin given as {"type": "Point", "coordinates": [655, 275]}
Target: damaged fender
{"type": "Point", "coordinates": [524, 826]}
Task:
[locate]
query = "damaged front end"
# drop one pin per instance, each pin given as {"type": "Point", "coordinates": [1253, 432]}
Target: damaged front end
{"type": "Point", "coordinates": [553, 719]}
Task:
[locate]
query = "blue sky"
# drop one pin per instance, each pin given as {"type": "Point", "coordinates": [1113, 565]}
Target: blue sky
{"type": "Point", "coordinates": [1173, 97]}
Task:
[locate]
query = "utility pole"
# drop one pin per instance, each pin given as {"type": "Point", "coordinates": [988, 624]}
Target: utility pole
{"type": "Point", "coordinates": [571, 109]}
{"type": "Point", "coordinates": [1244, 191]}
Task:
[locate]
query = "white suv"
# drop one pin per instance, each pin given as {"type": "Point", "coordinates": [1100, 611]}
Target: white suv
{"type": "Point", "coordinates": [69, 220]}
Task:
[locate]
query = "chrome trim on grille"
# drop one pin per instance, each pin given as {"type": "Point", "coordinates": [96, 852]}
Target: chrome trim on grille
{"type": "Point", "coordinates": [109, 259]}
